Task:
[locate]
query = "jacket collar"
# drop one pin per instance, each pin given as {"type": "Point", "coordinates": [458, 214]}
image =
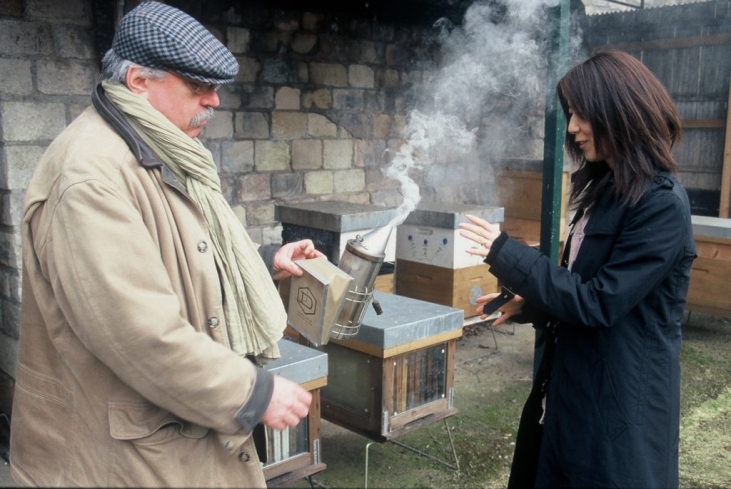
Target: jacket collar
{"type": "Point", "coordinates": [110, 113]}
{"type": "Point", "coordinates": [142, 152]}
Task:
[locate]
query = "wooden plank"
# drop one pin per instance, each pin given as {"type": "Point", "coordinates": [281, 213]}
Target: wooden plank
{"type": "Point", "coordinates": [665, 44]}
{"type": "Point", "coordinates": [703, 123]}
{"type": "Point", "coordinates": [726, 172]}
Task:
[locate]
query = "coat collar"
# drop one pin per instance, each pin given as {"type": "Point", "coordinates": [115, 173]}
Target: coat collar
{"type": "Point", "coordinates": [142, 152]}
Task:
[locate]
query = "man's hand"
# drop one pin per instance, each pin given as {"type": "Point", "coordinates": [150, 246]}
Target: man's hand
{"type": "Point", "coordinates": [285, 257]}
{"type": "Point", "coordinates": [289, 404]}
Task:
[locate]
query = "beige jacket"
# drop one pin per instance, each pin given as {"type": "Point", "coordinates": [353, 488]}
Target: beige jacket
{"type": "Point", "coordinates": [124, 373]}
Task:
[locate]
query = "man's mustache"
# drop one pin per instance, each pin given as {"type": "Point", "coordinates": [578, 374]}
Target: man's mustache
{"type": "Point", "coordinates": [202, 117]}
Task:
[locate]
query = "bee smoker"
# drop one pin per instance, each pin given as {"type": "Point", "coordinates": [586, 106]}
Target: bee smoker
{"type": "Point", "coordinates": [362, 260]}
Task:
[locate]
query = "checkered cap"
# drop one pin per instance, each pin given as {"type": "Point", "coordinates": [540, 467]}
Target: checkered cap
{"type": "Point", "coordinates": [159, 36]}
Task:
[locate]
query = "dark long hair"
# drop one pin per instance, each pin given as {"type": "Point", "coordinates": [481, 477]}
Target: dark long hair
{"type": "Point", "coordinates": [633, 120]}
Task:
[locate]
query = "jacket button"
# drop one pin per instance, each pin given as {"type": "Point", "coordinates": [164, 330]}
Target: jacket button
{"type": "Point", "coordinates": [202, 246]}
{"type": "Point", "coordinates": [228, 445]}
{"type": "Point", "coordinates": [244, 457]}
{"type": "Point", "coordinates": [212, 322]}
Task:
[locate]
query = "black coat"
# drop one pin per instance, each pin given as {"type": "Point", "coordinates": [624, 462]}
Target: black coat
{"type": "Point", "coordinates": [613, 398]}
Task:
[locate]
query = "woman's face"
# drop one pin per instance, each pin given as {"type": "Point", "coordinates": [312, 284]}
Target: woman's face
{"type": "Point", "coordinates": [584, 138]}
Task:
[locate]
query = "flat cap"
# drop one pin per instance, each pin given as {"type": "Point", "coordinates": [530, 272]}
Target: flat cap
{"type": "Point", "coordinates": [159, 36]}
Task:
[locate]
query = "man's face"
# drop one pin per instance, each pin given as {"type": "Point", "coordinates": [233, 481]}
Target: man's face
{"type": "Point", "coordinates": [186, 103]}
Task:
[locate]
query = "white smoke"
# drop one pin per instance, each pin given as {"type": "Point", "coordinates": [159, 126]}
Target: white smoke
{"type": "Point", "coordinates": [493, 72]}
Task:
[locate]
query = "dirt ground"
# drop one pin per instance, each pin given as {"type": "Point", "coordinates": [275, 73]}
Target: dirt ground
{"type": "Point", "coordinates": [492, 380]}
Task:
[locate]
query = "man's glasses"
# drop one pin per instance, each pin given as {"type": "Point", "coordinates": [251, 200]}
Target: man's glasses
{"type": "Point", "coordinates": [200, 88]}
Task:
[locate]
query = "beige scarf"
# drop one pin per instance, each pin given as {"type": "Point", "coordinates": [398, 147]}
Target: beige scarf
{"type": "Point", "coordinates": [255, 315]}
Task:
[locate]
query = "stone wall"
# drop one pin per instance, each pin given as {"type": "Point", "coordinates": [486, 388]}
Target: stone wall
{"type": "Point", "coordinates": [47, 69]}
{"type": "Point", "coordinates": [315, 113]}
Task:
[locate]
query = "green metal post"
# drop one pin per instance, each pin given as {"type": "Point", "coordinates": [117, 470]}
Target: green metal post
{"type": "Point", "coordinates": [555, 129]}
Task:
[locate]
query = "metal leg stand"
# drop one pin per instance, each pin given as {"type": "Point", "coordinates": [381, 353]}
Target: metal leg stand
{"type": "Point", "coordinates": [417, 451]}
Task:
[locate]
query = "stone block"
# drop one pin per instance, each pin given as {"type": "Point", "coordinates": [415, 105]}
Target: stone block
{"type": "Point", "coordinates": [319, 182]}
{"type": "Point", "coordinates": [328, 74]}
{"type": "Point", "coordinates": [280, 71]}
{"type": "Point", "coordinates": [230, 97]}
{"type": "Point", "coordinates": [312, 21]}
{"type": "Point", "coordinates": [10, 249]}
{"type": "Point", "coordinates": [338, 154]}
{"type": "Point", "coordinates": [289, 125]}
{"type": "Point", "coordinates": [228, 184]}
{"type": "Point", "coordinates": [304, 42]}
{"type": "Point", "coordinates": [66, 77]}
{"type": "Point", "coordinates": [363, 154]}
{"type": "Point", "coordinates": [220, 127]}
{"type": "Point", "coordinates": [12, 8]}
{"type": "Point", "coordinates": [54, 10]}
{"type": "Point", "coordinates": [375, 101]}
{"type": "Point", "coordinates": [260, 213]}
{"type": "Point", "coordinates": [251, 125]}
{"type": "Point", "coordinates": [9, 339]}
{"type": "Point", "coordinates": [255, 186]}
{"type": "Point", "coordinates": [287, 98]}
{"type": "Point", "coordinates": [306, 154]}
{"type": "Point", "coordinates": [382, 126]}
{"type": "Point", "coordinates": [238, 39]}
{"type": "Point", "coordinates": [383, 32]}
{"type": "Point", "coordinates": [354, 124]}
{"type": "Point", "coordinates": [248, 70]}
{"type": "Point", "coordinates": [388, 78]}
{"type": "Point", "coordinates": [320, 99]}
{"type": "Point", "coordinates": [368, 52]}
{"type": "Point", "coordinates": [260, 97]}
{"type": "Point", "coordinates": [20, 163]}
{"type": "Point", "coordinates": [319, 126]}
{"type": "Point", "coordinates": [271, 234]}
{"type": "Point", "coordinates": [396, 55]}
{"type": "Point", "coordinates": [12, 208]}
{"type": "Point", "coordinates": [303, 72]}
{"type": "Point", "coordinates": [354, 198]}
{"type": "Point", "coordinates": [19, 38]}
{"type": "Point", "coordinates": [287, 185]}
{"type": "Point", "coordinates": [348, 99]}
{"type": "Point", "coordinates": [32, 121]}
{"type": "Point", "coordinates": [361, 76]}
{"type": "Point", "coordinates": [74, 41]}
{"type": "Point", "coordinates": [16, 77]}
{"type": "Point", "coordinates": [215, 148]}
{"type": "Point", "coordinates": [271, 156]}
{"type": "Point", "coordinates": [237, 156]}
{"type": "Point", "coordinates": [240, 212]}
{"type": "Point", "coordinates": [349, 180]}
{"type": "Point", "coordinates": [255, 234]}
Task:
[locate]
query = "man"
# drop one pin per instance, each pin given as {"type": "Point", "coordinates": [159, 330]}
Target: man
{"type": "Point", "coordinates": [145, 304]}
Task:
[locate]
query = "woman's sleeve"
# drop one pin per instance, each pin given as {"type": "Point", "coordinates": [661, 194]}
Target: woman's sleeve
{"type": "Point", "coordinates": [643, 254]}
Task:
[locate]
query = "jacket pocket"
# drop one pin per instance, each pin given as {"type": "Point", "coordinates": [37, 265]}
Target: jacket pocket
{"type": "Point", "coordinates": [610, 411]}
{"type": "Point", "coordinates": [135, 421]}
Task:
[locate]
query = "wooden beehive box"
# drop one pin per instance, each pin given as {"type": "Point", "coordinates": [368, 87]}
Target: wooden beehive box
{"type": "Point", "coordinates": [397, 373]}
{"type": "Point", "coordinates": [431, 261]}
{"type": "Point", "coordinates": [458, 287]}
{"type": "Point", "coordinates": [709, 290]}
{"type": "Point", "coordinates": [520, 193]}
{"type": "Point", "coordinates": [295, 453]}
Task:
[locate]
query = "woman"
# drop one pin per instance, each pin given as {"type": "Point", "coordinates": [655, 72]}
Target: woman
{"type": "Point", "coordinates": [604, 408]}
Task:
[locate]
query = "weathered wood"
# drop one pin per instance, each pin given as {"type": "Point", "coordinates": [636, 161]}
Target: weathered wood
{"type": "Point", "coordinates": [446, 286]}
{"type": "Point", "coordinates": [703, 123]}
{"type": "Point", "coordinates": [726, 171]}
{"type": "Point", "coordinates": [677, 43]}
{"type": "Point", "coordinates": [709, 290]}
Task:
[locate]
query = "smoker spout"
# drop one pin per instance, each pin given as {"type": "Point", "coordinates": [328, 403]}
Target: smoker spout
{"type": "Point", "coordinates": [374, 242]}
